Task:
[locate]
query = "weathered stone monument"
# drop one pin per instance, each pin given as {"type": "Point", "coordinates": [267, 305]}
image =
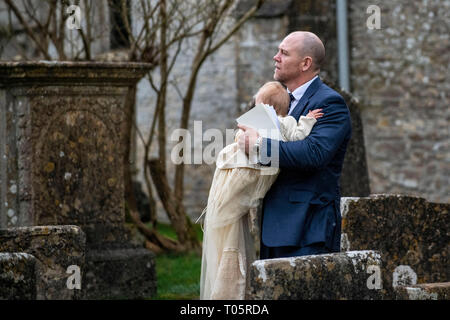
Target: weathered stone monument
{"type": "Point", "coordinates": [62, 144]}
{"type": "Point", "coordinates": [355, 175]}
{"type": "Point", "coordinates": [393, 247]}
{"type": "Point", "coordinates": [334, 276]}
{"type": "Point", "coordinates": [17, 276]}
{"type": "Point", "coordinates": [411, 234]}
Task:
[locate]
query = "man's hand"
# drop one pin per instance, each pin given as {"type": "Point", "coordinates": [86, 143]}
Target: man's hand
{"type": "Point", "coordinates": [248, 139]}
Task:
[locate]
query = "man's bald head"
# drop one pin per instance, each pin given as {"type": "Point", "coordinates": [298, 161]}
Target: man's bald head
{"type": "Point", "coordinates": [299, 58]}
{"type": "Point", "coordinates": [309, 44]}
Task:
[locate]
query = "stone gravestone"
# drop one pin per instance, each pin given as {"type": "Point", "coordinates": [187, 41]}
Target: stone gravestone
{"type": "Point", "coordinates": [348, 275]}
{"type": "Point", "coordinates": [355, 175]}
{"type": "Point", "coordinates": [411, 234]}
{"type": "Point", "coordinates": [58, 252]}
{"type": "Point", "coordinates": [17, 276]}
{"type": "Point", "coordinates": [62, 143]}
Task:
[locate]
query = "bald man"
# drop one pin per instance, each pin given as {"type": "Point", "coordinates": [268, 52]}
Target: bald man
{"type": "Point", "coordinates": [301, 211]}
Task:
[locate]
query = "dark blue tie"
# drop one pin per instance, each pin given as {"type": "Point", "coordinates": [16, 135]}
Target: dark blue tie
{"type": "Point", "coordinates": [292, 98]}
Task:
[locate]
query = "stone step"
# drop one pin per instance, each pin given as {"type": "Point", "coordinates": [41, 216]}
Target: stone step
{"type": "Point", "coordinates": [424, 291]}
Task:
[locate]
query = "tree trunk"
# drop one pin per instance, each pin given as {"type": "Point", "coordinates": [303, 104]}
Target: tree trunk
{"type": "Point", "coordinates": [177, 215]}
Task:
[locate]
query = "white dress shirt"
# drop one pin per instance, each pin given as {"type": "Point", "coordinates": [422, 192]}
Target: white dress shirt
{"type": "Point", "coordinates": [298, 94]}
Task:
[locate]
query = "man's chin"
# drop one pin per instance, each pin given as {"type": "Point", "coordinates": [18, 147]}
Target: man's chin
{"type": "Point", "coordinates": [277, 78]}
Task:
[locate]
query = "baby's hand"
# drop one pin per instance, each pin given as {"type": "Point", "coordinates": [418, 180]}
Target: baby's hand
{"type": "Point", "coordinates": [315, 113]}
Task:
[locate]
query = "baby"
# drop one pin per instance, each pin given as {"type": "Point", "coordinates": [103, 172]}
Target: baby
{"type": "Point", "coordinates": [273, 94]}
{"type": "Point", "coordinates": [237, 186]}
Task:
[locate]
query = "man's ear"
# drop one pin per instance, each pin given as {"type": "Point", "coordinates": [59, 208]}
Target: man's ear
{"type": "Point", "coordinates": [306, 63]}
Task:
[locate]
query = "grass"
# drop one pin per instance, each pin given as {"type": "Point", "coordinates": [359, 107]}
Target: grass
{"type": "Point", "coordinates": [178, 275]}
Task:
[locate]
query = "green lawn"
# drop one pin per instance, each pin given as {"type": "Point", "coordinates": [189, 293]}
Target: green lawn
{"type": "Point", "coordinates": [178, 275]}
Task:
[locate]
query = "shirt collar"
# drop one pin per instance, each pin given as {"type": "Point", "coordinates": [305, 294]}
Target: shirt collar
{"type": "Point", "coordinates": [300, 91]}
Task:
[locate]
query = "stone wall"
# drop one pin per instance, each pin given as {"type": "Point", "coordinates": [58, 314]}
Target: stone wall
{"type": "Point", "coordinates": [401, 73]}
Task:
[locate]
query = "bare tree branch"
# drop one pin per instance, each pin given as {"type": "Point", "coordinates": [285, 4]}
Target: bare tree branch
{"type": "Point", "coordinates": [200, 57]}
{"type": "Point", "coordinates": [28, 30]}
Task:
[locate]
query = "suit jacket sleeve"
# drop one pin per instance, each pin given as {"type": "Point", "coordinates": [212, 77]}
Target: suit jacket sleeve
{"type": "Point", "coordinates": [317, 149]}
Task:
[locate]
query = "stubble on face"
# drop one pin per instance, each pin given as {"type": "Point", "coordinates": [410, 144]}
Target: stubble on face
{"type": "Point", "coordinates": [287, 59]}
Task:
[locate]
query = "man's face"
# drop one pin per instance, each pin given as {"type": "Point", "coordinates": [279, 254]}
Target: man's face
{"type": "Point", "coordinates": [287, 61]}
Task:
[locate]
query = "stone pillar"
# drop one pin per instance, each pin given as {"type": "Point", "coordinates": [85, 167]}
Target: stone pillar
{"type": "Point", "coordinates": [62, 142]}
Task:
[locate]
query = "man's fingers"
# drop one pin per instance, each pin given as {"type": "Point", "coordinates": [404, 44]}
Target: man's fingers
{"type": "Point", "coordinates": [242, 127]}
{"type": "Point", "coordinates": [243, 142]}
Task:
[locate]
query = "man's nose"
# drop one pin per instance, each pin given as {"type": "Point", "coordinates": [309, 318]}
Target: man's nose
{"type": "Point", "coordinates": [276, 57]}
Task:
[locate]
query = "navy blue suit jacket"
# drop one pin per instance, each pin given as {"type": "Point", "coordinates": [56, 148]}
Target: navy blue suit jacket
{"type": "Point", "coordinates": [303, 205]}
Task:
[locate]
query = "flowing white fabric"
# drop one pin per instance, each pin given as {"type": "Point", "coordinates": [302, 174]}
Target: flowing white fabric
{"type": "Point", "coordinates": [237, 186]}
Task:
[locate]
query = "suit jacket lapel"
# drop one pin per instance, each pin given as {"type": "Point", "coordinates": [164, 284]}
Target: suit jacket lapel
{"type": "Point", "coordinates": [303, 102]}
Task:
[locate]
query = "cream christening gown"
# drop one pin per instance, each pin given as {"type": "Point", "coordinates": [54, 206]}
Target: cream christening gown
{"type": "Point", "coordinates": [237, 186]}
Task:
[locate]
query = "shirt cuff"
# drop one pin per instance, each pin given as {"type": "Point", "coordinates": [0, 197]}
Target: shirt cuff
{"type": "Point", "coordinates": [264, 154]}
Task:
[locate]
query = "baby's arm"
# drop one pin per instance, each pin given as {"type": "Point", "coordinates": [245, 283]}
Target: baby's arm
{"type": "Point", "coordinates": [292, 130]}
